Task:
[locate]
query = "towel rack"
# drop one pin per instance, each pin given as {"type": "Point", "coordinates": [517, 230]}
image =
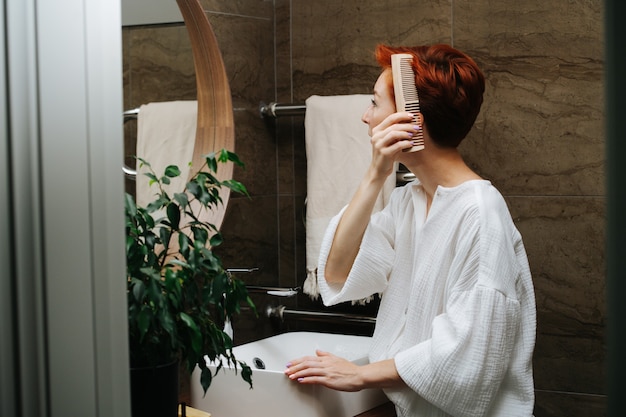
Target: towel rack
{"type": "Point", "coordinates": [280, 312]}
{"type": "Point", "coordinates": [131, 114]}
{"type": "Point", "coordinates": [275, 110]}
{"type": "Point", "coordinates": [128, 116]}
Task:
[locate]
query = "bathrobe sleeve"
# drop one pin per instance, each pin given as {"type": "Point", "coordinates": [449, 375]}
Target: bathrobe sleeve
{"type": "Point", "coordinates": [461, 367]}
{"type": "Point", "coordinates": [372, 265]}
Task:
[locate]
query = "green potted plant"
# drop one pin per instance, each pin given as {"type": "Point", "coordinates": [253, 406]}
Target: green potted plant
{"type": "Point", "coordinates": [179, 294]}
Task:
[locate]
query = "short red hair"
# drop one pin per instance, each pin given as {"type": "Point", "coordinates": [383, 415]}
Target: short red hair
{"type": "Point", "coordinates": [450, 87]}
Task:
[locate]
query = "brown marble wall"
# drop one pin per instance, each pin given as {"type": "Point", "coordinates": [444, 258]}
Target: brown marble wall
{"type": "Point", "coordinates": [539, 139]}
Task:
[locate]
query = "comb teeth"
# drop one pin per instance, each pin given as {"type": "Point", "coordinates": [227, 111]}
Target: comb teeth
{"type": "Point", "coordinates": [407, 81]}
{"type": "Point", "coordinates": [405, 91]}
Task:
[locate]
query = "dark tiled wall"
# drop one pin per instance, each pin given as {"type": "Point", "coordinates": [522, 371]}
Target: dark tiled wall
{"type": "Point", "coordinates": [539, 139]}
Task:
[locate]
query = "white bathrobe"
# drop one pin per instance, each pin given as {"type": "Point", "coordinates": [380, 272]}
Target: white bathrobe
{"type": "Point", "coordinates": [458, 310]}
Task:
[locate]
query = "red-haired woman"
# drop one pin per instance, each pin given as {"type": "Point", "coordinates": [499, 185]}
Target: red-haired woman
{"type": "Point", "coordinates": [455, 331]}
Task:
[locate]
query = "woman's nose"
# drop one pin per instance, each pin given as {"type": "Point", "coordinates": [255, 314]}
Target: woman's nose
{"type": "Point", "coordinates": [365, 117]}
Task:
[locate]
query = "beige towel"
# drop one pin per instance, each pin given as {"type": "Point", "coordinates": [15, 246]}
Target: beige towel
{"type": "Point", "coordinates": [166, 134]}
{"type": "Point", "coordinates": [338, 153]}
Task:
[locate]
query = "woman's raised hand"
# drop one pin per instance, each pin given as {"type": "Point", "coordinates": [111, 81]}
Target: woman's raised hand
{"type": "Point", "coordinates": [389, 138]}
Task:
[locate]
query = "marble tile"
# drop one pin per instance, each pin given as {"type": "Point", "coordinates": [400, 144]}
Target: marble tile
{"type": "Point", "coordinates": [509, 28]}
{"type": "Point", "coordinates": [300, 162]}
{"type": "Point", "coordinates": [336, 57]}
{"type": "Point", "coordinates": [300, 239]}
{"type": "Point", "coordinates": [284, 151]}
{"type": "Point", "coordinates": [334, 34]}
{"type": "Point", "coordinates": [563, 238]}
{"type": "Point", "coordinates": [160, 65]}
{"type": "Point", "coordinates": [557, 404]}
{"type": "Point", "coordinates": [250, 236]}
{"type": "Point", "coordinates": [287, 247]}
{"type": "Point", "coordinates": [249, 59]}
{"type": "Point", "coordinates": [284, 51]}
{"type": "Point", "coordinates": [126, 65]}
{"type": "Point", "coordinates": [289, 142]}
{"type": "Point", "coordinates": [541, 128]}
{"type": "Point", "coordinates": [258, 9]}
{"type": "Point", "coordinates": [540, 131]}
{"type": "Point", "coordinates": [255, 146]}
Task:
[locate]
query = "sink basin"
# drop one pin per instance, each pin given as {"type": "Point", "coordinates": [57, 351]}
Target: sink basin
{"type": "Point", "coordinates": [274, 395]}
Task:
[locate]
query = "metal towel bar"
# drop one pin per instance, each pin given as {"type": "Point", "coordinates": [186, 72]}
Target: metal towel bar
{"type": "Point", "coordinates": [279, 109]}
{"type": "Point", "coordinates": [275, 291]}
{"type": "Point", "coordinates": [280, 312]}
{"type": "Point", "coordinates": [128, 116]}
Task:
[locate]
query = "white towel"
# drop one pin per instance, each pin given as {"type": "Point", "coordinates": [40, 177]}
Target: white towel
{"type": "Point", "coordinates": [166, 134]}
{"type": "Point", "coordinates": [338, 151]}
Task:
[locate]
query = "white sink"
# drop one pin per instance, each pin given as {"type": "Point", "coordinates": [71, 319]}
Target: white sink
{"type": "Point", "coordinates": [274, 395]}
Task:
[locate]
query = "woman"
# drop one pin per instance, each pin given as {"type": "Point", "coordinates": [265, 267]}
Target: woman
{"type": "Point", "coordinates": [455, 331]}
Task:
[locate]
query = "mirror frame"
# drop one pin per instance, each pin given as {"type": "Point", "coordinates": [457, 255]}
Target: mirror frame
{"type": "Point", "coordinates": [215, 127]}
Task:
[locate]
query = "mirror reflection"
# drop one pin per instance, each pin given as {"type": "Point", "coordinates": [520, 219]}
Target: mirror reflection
{"type": "Point", "coordinates": [538, 138]}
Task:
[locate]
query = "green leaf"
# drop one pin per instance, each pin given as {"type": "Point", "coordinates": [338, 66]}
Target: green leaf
{"type": "Point", "coordinates": [200, 235]}
{"type": "Point", "coordinates": [181, 199]}
{"type": "Point", "coordinates": [131, 208]}
{"type": "Point", "coordinates": [223, 156]}
{"type": "Point", "coordinates": [150, 240]}
{"type": "Point", "coordinates": [226, 155]}
{"type": "Point", "coordinates": [211, 161]}
{"type": "Point", "coordinates": [216, 240]}
{"type": "Point", "coordinates": [138, 289]}
{"type": "Point", "coordinates": [180, 263]}
{"type": "Point", "coordinates": [167, 321]}
{"type": "Point", "coordinates": [193, 188]}
{"type": "Point", "coordinates": [152, 177]}
{"type": "Point", "coordinates": [183, 244]}
{"type": "Point", "coordinates": [172, 171]}
{"type": "Point", "coordinates": [236, 186]}
{"type": "Point", "coordinates": [246, 373]}
{"type": "Point", "coordinates": [173, 215]}
{"type": "Point", "coordinates": [205, 379]}
{"type": "Point", "coordinates": [143, 322]}
{"type": "Point", "coordinates": [157, 204]}
{"type": "Point", "coordinates": [196, 336]}
{"type": "Point", "coordinates": [143, 162]}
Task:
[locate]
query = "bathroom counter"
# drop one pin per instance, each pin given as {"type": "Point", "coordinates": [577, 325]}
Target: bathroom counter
{"type": "Point", "coordinates": [385, 410]}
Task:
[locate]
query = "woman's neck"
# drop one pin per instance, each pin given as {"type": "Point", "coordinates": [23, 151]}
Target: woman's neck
{"type": "Point", "coordinates": [436, 167]}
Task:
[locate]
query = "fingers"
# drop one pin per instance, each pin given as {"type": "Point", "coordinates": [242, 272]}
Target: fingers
{"type": "Point", "coordinates": [394, 133]}
{"type": "Point", "coordinates": [402, 117]}
{"type": "Point", "coordinates": [324, 369]}
{"type": "Point", "coordinates": [305, 361]}
{"type": "Point", "coordinates": [296, 362]}
{"type": "Point", "coordinates": [308, 366]}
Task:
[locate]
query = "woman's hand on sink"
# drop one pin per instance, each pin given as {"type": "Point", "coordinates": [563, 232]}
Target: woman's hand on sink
{"type": "Point", "coordinates": [340, 374]}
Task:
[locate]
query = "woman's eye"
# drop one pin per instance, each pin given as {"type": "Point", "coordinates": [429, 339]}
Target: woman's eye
{"type": "Point", "coordinates": [373, 102]}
